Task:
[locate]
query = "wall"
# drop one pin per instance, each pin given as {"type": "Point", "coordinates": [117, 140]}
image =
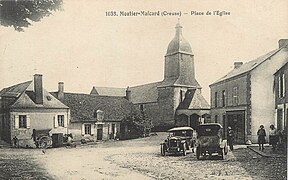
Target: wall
{"type": "Point", "coordinates": [262, 99]}
{"type": "Point", "coordinates": [39, 119]}
{"type": "Point", "coordinates": [171, 66]}
{"type": "Point", "coordinates": [151, 110]}
{"type": "Point", "coordinates": [166, 102]}
{"type": "Point", "coordinates": [76, 129]}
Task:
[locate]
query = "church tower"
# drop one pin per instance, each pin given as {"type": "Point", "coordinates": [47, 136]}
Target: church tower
{"type": "Point", "coordinates": [179, 62]}
{"type": "Point", "coordinates": [179, 77]}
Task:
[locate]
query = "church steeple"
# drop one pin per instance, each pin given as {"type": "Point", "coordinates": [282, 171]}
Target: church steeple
{"type": "Point", "coordinates": [178, 44]}
{"type": "Point", "coordinates": [179, 62]}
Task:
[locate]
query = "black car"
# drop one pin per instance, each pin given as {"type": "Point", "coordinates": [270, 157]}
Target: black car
{"type": "Point", "coordinates": [180, 140]}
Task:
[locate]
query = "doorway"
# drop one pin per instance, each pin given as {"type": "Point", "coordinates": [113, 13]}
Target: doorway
{"type": "Point", "coordinates": [236, 120]}
{"type": "Point", "coordinates": [99, 132]}
{"type": "Point", "coordinates": [194, 121]}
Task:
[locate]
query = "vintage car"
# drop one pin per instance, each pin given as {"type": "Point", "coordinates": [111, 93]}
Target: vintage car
{"type": "Point", "coordinates": [210, 140]}
{"type": "Point", "coordinates": [180, 140]}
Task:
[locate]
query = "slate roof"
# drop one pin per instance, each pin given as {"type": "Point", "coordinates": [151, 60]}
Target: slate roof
{"type": "Point", "coordinates": [109, 91]}
{"type": "Point", "coordinates": [249, 66]}
{"type": "Point", "coordinates": [83, 107]}
{"type": "Point", "coordinates": [194, 100]}
{"type": "Point", "coordinates": [284, 66]}
{"type": "Point", "coordinates": [24, 97]}
{"type": "Point", "coordinates": [145, 93]}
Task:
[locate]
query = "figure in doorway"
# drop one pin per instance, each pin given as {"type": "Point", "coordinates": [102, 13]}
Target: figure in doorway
{"type": "Point", "coordinates": [261, 137]}
{"type": "Point", "coordinates": [230, 137]}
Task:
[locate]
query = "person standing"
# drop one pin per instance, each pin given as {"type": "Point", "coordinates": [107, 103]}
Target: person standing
{"type": "Point", "coordinates": [273, 137]}
{"type": "Point", "coordinates": [230, 137]}
{"type": "Point", "coordinates": [261, 137]}
{"type": "Point", "coordinates": [15, 142]}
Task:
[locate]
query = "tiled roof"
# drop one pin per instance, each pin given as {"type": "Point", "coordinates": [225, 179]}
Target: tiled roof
{"type": "Point", "coordinates": [194, 100]}
{"type": "Point", "coordinates": [83, 107]}
{"type": "Point", "coordinates": [248, 66]}
{"type": "Point", "coordinates": [109, 91]}
{"type": "Point", "coordinates": [145, 93]}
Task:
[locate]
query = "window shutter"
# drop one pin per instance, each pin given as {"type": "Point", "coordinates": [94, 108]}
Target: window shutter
{"type": "Point", "coordinates": [55, 121]}
{"type": "Point", "coordinates": [65, 121]}
{"type": "Point", "coordinates": [92, 129]}
{"type": "Point", "coordinates": [83, 129]}
{"type": "Point", "coordinates": [283, 80]}
{"type": "Point", "coordinates": [27, 121]}
{"type": "Point", "coordinates": [16, 118]}
{"type": "Point", "coordinates": [279, 86]}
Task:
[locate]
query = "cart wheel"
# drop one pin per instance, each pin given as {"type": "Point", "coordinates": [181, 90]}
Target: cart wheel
{"type": "Point", "coordinates": [198, 152]}
{"type": "Point", "coordinates": [43, 142]}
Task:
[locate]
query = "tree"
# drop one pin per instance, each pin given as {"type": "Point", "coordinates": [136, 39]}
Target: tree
{"type": "Point", "coordinates": [136, 125]}
{"type": "Point", "coordinates": [19, 13]}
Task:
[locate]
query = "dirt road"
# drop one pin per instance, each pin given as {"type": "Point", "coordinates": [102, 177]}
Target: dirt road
{"type": "Point", "coordinates": [140, 159]}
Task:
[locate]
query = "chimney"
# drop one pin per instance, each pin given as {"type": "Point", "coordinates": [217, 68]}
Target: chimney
{"type": "Point", "coordinates": [237, 64]}
{"type": "Point", "coordinates": [38, 88]}
{"type": "Point", "coordinates": [60, 93]}
{"type": "Point", "coordinates": [282, 42]}
{"type": "Point", "coordinates": [128, 94]}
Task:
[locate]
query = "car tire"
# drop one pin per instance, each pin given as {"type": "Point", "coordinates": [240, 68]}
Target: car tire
{"type": "Point", "coordinates": [198, 152]}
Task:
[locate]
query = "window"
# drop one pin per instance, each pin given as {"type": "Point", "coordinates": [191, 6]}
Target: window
{"type": "Point", "coordinates": [223, 98]}
{"type": "Point", "coordinates": [216, 99]}
{"type": "Point", "coordinates": [60, 119]}
{"type": "Point", "coordinates": [235, 95]}
{"type": "Point", "coordinates": [22, 121]}
{"type": "Point", "coordinates": [216, 119]}
{"type": "Point", "coordinates": [281, 82]}
{"type": "Point", "coordinates": [87, 129]}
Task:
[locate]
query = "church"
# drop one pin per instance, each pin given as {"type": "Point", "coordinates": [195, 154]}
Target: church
{"type": "Point", "coordinates": [174, 101]}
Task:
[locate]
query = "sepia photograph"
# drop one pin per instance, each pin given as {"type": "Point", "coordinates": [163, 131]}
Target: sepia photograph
{"type": "Point", "coordinates": [94, 89]}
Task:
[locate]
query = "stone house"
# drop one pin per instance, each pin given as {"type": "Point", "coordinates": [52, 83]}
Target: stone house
{"type": "Point", "coordinates": [243, 98]}
{"type": "Point", "coordinates": [281, 97]}
{"type": "Point", "coordinates": [27, 106]}
{"type": "Point", "coordinates": [94, 117]}
{"type": "Point", "coordinates": [176, 100]}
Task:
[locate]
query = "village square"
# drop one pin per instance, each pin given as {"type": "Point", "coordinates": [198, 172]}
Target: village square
{"type": "Point", "coordinates": [163, 129]}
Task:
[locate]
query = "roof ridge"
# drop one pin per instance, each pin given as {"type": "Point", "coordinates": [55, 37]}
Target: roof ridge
{"type": "Point", "coordinates": [261, 60]}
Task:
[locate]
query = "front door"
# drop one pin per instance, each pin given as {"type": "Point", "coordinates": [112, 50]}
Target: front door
{"type": "Point", "coordinates": [236, 120]}
{"type": "Point", "coordinates": [99, 132]}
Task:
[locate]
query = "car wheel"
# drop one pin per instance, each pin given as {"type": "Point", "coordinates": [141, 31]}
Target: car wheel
{"type": "Point", "coordinates": [198, 152]}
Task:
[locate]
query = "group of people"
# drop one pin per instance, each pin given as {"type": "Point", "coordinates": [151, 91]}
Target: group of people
{"type": "Point", "coordinates": [261, 133]}
{"type": "Point", "coordinates": [273, 137]}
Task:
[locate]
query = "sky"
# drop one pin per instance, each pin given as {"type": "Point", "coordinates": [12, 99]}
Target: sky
{"type": "Point", "coordinates": [83, 47]}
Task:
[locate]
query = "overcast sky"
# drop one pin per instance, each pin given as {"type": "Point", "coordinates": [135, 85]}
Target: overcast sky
{"type": "Point", "coordinates": [83, 48]}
